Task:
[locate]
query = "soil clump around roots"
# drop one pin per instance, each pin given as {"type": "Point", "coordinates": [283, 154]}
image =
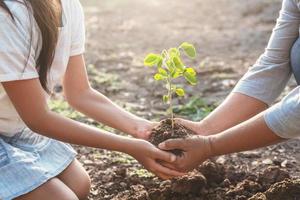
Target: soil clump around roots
{"type": "Point", "coordinates": [164, 132]}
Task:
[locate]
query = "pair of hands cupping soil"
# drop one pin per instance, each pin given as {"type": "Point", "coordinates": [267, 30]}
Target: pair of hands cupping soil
{"type": "Point", "coordinates": [189, 147]}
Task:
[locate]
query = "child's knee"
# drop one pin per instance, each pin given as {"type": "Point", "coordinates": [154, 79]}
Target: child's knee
{"type": "Point", "coordinates": [84, 187]}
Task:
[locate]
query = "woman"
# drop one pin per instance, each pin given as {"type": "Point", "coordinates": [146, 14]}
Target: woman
{"type": "Point", "coordinates": [244, 121]}
{"type": "Point", "coordinates": [42, 44]}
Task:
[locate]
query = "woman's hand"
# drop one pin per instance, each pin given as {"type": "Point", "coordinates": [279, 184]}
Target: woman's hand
{"type": "Point", "coordinates": [150, 157]}
{"type": "Point", "coordinates": [196, 150]}
{"type": "Point", "coordinates": [198, 127]}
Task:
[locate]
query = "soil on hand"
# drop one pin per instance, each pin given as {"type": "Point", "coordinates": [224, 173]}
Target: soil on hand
{"type": "Point", "coordinates": [165, 132]}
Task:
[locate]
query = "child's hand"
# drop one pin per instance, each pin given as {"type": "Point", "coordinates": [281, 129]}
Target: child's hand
{"type": "Point", "coordinates": [150, 157]}
{"type": "Point", "coordinates": [196, 150]}
{"type": "Point", "coordinates": [143, 129]}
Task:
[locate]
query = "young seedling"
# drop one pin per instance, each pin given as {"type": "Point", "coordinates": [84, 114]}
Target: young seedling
{"type": "Point", "coordinates": [170, 67]}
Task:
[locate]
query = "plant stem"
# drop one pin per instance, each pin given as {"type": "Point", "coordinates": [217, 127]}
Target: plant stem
{"type": "Point", "coordinates": [171, 102]}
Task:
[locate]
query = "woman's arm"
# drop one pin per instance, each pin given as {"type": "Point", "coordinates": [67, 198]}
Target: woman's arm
{"type": "Point", "coordinates": [248, 135]}
{"type": "Point", "coordinates": [263, 83]}
{"type": "Point", "coordinates": [29, 100]}
{"type": "Point", "coordinates": [234, 110]}
{"type": "Point", "coordinates": [85, 99]}
{"type": "Point", "coordinates": [276, 124]}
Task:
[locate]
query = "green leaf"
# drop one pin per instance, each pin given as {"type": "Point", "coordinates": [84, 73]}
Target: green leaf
{"type": "Point", "coordinates": [189, 49]}
{"type": "Point", "coordinates": [151, 59]}
{"type": "Point", "coordinates": [170, 66]}
{"type": "Point", "coordinates": [192, 79]}
{"type": "Point", "coordinates": [180, 92]}
{"type": "Point", "coordinates": [159, 77]}
{"type": "Point", "coordinates": [164, 53]}
{"type": "Point", "coordinates": [174, 52]}
{"type": "Point", "coordinates": [160, 62]}
{"type": "Point", "coordinates": [165, 98]}
{"type": "Point", "coordinates": [176, 74]}
{"type": "Point", "coordinates": [191, 71]}
{"type": "Point", "coordinates": [162, 72]}
{"type": "Point", "coordinates": [178, 63]}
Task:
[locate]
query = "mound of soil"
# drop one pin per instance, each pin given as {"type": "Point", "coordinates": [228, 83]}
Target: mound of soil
{"type": "Point", "coordinates": [164, 132]}
{"type": "Point", "coordinates": [214, 181]}
{"type": "Point", "coordinates": [287, 190]}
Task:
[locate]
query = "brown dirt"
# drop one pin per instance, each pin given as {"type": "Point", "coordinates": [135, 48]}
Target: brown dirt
{"type": "Point", "coordinates": [288, 190]}
{"type": "Point", "coordinates": [229, 36]}
{"type": "Point", "coordinates": [165, 132]}
{"type": "Point", "coordinates": [213, 181]}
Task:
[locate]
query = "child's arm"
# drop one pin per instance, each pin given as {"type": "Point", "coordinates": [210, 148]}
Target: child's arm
{"type": "Point", "coordinates": [29, 100]}
{"type": "Point", "coordinates": [85, 99]}
{"type": "Point", "coordinates": [249, 135]}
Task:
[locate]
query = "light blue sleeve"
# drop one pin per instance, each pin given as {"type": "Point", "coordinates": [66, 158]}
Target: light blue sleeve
{"type": "Point", "coordinates": [270, 74]}
{"type": "Point", "coordinates": [284, 117]}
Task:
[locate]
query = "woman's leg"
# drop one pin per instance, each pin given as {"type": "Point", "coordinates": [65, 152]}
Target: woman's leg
{"type": "Point", "coordinates": [77, 179]}
{"type": "Point", "coordinates": [54, 189]}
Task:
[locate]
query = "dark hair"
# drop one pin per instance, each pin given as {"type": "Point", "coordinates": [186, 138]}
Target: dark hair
{"type": "Point", "coordinates": [47, 19]}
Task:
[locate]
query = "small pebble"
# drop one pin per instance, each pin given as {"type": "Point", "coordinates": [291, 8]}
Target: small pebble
{"type": "Point", "coordinates": [122, 184]}
{"type": "Point", "coordinates": [284, 163]}
{"type": "Point", "coordinates": [267, 161]}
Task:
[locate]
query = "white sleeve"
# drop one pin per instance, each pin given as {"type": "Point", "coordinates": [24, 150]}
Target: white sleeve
{"type": "Point", "coordinates": [17, 54]}
{"type": "Point", "coordinates": [78, 29]}
{"type": "Point", "coordinates": [268, 77]}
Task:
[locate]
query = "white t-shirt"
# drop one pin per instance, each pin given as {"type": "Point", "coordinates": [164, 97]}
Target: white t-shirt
{"type": "Point", "coordinates": [20, 44]}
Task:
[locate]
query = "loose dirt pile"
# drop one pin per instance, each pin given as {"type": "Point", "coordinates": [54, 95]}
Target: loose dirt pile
{"type": "Point", "coordinates": [213, 181]}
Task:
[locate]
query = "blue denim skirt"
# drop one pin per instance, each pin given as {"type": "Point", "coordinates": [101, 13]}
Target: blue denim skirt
{"type": "Point", "coordinates": [27, 160]}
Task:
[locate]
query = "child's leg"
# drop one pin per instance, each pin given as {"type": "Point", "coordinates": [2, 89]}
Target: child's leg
{"type": "Point", "coordinates": [77, 179]}
{"type": "Point", "coordinates": [54, 189]}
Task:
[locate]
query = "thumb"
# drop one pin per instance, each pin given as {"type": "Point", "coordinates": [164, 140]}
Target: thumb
{"type": "Point", "coordinates": [188, 124]}
{"type": "Point", "coordinates": [172, 144]}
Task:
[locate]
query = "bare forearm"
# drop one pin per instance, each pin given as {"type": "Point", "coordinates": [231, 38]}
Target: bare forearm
{"type": "Point", "coordinates": [234, 110]}
{"type": "Point", "coordinates": [249, 135]}
{"type": "Point", "coordinates": [100, 108]}
{"type": "Point", "coordinates": [60, 128]}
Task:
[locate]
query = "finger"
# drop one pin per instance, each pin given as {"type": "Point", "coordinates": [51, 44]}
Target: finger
{"type": "Point", "coordinates": [164, 156]}
{"type": "Point", "coordinates": [155, 124]}
{"type": "Point", "coordinates": [177, 167]}
{"type": "Point", "coordinates": [147, 134]}
{"type": "Point", "coordinates": [169, 172]}
{"type": "Point", "coordinates": [163, 176]}
{"type": "Point", "coordinates": [168, 165]}
{"type": "Point", "coordinates": [173, 144]}
{"type": "Point", "coordinates": [188, 124]}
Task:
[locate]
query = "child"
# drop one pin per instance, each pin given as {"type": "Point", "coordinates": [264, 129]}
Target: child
{"type": "Point", "coordinates": [42, 44]}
